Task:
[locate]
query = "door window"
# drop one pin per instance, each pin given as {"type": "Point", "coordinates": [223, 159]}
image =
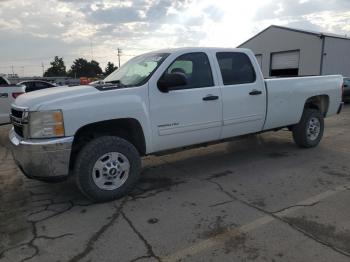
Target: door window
{"type": "Point", "coordinates": [235, 68]}
{"type": "Point", "coordinates": [41, 85]}
{"type": "Point", "coordinates": [196, 68]}
{"type": "Point", "coordinates": [29, 86]}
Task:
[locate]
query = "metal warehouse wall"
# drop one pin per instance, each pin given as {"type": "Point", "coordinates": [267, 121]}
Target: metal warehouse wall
{"type": "Point", "coordinates": [337, 57]}
{"type": "Point", "coordinates": [278, 39]}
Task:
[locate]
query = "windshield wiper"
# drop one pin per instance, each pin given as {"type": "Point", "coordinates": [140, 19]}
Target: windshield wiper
{"type": "Point", "coordinates": [118, 82]}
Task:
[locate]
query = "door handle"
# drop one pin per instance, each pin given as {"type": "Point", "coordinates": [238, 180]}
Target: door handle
{"type": "Point", "coordinates": [210, 98]}
{"type": "Point", "coordinates": [255, 92]}
{"type": "Point", "coordinates": [4, 95]}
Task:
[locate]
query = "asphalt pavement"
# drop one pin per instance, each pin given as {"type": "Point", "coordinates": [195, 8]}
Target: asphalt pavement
{"type": "Point", "coordinates": [257, 199]}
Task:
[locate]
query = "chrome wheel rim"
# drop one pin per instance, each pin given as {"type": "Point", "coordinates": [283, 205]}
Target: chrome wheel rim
{"type": "Point", "coordinates": [313, 129]}
{"type": "Point", "coordinates": [111, 171]}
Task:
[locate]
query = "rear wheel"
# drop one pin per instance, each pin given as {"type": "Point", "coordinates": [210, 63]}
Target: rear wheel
{"type": "Point", "coordinates": [107, 168]}
{"type": "Point", "coordinates": [309, 131]}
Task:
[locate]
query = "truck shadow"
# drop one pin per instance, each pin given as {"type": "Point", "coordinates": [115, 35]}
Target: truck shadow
{"type": "Point", "coordinates": [164, 172]}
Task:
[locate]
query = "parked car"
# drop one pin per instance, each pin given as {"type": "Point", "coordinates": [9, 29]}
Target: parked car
{"type": "Point", "coordinates": [346, 91]}
{"type": "Point", "coordinates": [157, 102]}
{"type": "Point", "coordinates": [8, 94]}
{"type": "Point", "coordinates": [34, 85]}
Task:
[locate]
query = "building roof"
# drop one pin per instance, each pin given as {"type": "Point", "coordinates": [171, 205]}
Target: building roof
{"type": "Point", "coordinates": [310, 32]}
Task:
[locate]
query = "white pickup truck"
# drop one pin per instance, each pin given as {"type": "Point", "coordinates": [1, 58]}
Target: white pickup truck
{"type": "Point", "coordinates": [8, 94]}
{"type": "Point", "coordinates": [156, 102]}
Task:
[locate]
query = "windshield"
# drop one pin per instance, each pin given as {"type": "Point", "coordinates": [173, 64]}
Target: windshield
{"type": "Point", "coordinates": [137, 71]}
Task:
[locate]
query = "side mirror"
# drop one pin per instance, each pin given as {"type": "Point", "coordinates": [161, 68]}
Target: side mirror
{"type": "Point", "coordinates": [171, 82]}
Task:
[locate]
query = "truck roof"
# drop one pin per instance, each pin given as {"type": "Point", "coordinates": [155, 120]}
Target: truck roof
{"type": "Point", "coordinates": [199, 49]}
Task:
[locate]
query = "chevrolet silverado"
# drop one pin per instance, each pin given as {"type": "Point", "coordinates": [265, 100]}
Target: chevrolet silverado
{"type": "Point", "coordinates": [169, 99]}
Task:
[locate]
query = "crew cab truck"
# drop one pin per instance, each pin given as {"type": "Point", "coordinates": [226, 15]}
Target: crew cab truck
{"type": "Point", "coordinates": [156, 102]}
{"type": "Point", "coordinates": [8, 94]}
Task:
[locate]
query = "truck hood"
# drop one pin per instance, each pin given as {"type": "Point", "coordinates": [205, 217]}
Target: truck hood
{"type": "Point", "coordinates": [51, 96]}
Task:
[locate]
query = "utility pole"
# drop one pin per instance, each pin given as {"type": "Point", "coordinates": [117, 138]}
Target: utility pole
{"type": "Point", "coordinates": [119, 54]}
{"type": "Point", "coordinates": [92, 50]}
{"type": "Point", "coordinates": [42, 65]}
{"type": "Point", "coordinates": [13, 71]}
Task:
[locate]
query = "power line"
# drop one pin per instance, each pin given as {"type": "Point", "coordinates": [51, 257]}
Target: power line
{"type": "Point", "coordinates": [12, 66]}
{"type": "Point", "coordinates": [69, 55]}
{"type": "Point", "coordinates": [92, 50]}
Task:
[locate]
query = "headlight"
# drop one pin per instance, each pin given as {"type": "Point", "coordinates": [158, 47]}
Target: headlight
{"type": "Point", "coordinates": [45, 124]}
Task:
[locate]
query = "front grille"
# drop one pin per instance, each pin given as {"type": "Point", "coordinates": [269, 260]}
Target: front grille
{"type": "Point", "coordinates": [16, 113]}
{"type": "Point", "coordinates": [17, 121]}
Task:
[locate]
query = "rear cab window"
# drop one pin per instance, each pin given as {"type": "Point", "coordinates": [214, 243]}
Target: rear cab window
{"type": "Point", "coordinates": [236, 68]}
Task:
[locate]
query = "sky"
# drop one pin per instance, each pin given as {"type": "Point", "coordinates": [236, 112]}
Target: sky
{"type": "Point", "coordinates": [32, 32]}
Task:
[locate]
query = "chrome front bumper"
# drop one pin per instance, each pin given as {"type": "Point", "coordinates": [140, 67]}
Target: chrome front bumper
{"type": "Point", "coordinates": [42, 158]}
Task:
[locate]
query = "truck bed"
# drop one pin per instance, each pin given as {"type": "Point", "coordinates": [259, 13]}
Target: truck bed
{"type": "Point", "coordinates": [286, 97]}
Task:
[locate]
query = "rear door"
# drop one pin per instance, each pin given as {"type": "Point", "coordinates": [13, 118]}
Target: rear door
{"type": "Point", "coordinates": [192, 113]}
{"type": "Point", "coordinates": [243, 94]}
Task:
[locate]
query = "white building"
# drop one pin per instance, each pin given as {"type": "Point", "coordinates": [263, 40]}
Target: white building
{"type": "Point", "coordinates": [283, 51]}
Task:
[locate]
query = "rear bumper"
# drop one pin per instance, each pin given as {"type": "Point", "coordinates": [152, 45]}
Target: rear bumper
{"type": "Point", "coordinates": [42, 158]}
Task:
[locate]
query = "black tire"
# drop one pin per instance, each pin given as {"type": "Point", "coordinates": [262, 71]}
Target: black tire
{"type": "Point", "coordinates": [300, 131]}
{"type": "Point", "coordinates": [87, 158]}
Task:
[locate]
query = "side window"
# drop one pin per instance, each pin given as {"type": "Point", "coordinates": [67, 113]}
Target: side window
{"type": "Point", "coordinates": [29, 86]}
{"type": "Point", "coordinates": [235, 68]}
{"type": "Point", "coordinates": [196, 68]}
{"type": "Point", "coordinates": [182, 66]}
{"type": "Point", "coordinates": [40, 85]}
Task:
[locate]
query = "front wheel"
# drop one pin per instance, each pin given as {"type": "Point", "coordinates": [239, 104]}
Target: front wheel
{"type": "Point", "coordinates": [107, 168]}
{"type": "Point", "coordinates": [309, 131]}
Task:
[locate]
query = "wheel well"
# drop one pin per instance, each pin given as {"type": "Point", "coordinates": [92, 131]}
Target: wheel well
{"type": "Point", "coordinates": [320, 103]}
{"type": "Point", "coordinates": [126, 128]}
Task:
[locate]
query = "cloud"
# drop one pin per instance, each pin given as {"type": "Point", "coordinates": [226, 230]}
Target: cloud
{"type": "Point", "coordinates": [214, 12]}
{"type": "Point", "coordinates": [114, 15]}
{"type": "Point", "coordinates": [37, 30]}
{"type": "Point", "coordinates": [305, 24]}
{"type": "Point", "coordinates": [292, 8]}
{"type": "Point", "coordinates": [316, 15]}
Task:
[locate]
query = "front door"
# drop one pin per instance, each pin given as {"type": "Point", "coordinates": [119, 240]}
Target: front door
{"type": "Point", "coordinates": [192, 113]}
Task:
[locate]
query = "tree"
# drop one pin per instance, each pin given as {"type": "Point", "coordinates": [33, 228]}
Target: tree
{"type": "Point", "coordinates": [57, 68]}
{"type": "Point", "coordinates": [110, 68]}
{"type": "Point", "coordinates": [83, 68]}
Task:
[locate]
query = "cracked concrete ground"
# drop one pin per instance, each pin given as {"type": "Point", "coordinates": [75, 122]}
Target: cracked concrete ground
{"type": "Point", "coordinates": [257, 199]}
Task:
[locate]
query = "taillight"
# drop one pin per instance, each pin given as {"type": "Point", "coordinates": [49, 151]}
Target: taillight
{"type": "Point", "coordinates": [15, 95]}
